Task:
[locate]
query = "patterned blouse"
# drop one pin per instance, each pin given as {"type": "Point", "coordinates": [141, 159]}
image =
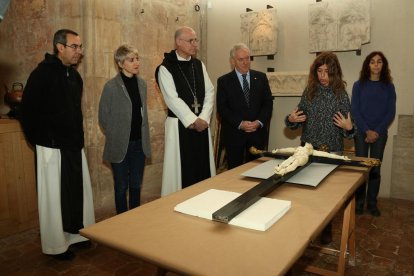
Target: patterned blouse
{"type": "Point", "coordinates": [319, 128]}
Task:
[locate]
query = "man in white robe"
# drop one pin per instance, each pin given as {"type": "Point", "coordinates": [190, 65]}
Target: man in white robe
{"type": "Point", "coordinates": [54, 240]}
{"type": "Point", "coordinates": [189, 95]}
{"type": "Point", "coordinates": [53, 124]}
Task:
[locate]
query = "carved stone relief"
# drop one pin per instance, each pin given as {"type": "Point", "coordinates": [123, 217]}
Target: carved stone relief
{"type": "Point", "coordinates": [287, 83]}
{"type": "Point", "coordinates": [339, 26]}
{"type": "Point", "coordinates": [259, 31]}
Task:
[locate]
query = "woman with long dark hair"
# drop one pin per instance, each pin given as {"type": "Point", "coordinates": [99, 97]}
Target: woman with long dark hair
{"type": "Point", "coordinates": [373, 109]}
{"type": "Point", "coordinates": [324, 112]}
{"type": "Point", "coordinates": [324, 109]}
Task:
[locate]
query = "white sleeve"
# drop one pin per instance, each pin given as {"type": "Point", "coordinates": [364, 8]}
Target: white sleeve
{"type": "Point", "coordinates": [176, 104]}
{"type": "Point", "coordinates": [208, 103]}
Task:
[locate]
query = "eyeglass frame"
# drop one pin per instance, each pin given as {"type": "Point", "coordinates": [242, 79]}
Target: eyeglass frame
{"type": "Point", "coordinates": [191, 41]}
{"type": "Point", "coordinates": [73, 46]}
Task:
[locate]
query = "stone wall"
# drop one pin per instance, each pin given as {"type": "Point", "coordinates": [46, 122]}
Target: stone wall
{"type": "Point", "coordinates": [27, 32]}
{"type": "Point", "coordinates": [403, 159]}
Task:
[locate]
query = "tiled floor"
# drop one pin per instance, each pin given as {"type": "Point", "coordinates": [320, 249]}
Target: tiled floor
{"type": "Point", "coordinates": [385, 246]}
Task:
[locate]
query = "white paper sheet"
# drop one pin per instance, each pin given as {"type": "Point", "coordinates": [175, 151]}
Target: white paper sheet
{"type": "Point", "coordinates": [312, 175]}
{"type": "Point", "coordinates": [260, 216]}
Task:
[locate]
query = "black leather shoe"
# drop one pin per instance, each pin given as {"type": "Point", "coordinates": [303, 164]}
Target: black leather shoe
{"type": "Point", "coordinates": [65, 256]}
{"type": "Point", "coordinates": [359, 211]}
{"type": "Point", "coordinates": [374, 212]}
{"type": "Point", "coordinates": [326, 236]}
{"type": "Point", "coordinates": [82, 245]}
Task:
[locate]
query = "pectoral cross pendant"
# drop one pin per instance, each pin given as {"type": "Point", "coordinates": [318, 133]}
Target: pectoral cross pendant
{"type": "Point", "coordinates": [196, 105]}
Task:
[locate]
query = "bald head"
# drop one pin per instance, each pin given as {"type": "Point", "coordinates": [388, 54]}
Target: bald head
{"type": "Point", "coordinates": [180, 31]}
{"type": "Point", "coordinates": [186, 42]}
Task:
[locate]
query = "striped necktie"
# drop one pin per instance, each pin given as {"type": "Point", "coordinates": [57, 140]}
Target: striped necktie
{"type": "Point", "coordinates": [246, 89]}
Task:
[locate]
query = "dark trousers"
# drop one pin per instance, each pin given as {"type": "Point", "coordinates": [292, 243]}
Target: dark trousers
{"type": "Point", "coordinates": [238, 155]}
{"type": "Point", "coordinates": [128, 177]}
{"type": "Point", "coordinates": [369, 191]}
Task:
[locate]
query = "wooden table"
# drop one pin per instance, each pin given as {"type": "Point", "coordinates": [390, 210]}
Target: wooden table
{"type": "Point", "coordinates": [195, 246]}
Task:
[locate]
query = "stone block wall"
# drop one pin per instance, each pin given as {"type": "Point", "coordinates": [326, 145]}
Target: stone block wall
{"type": "Point", "coordinates": [26, 34]}
{"type": "Point", "coordinates": [403, 159]}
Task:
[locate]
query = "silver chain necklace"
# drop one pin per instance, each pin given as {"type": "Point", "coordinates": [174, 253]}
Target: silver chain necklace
{"type": "Point", "coordinates": [195, 105]}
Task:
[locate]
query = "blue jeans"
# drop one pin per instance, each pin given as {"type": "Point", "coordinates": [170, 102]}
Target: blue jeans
{"type": "Point", "coordinates": [128, 176]}
{"type": "Point", "coordinates": [369, 191]}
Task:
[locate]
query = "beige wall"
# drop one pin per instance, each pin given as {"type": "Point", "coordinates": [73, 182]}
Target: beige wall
{"type": "Point", "coordinates": [391, 27]}
{"type": "Point", "coordinates": [27, 30]}
{"type": "Point", "coordinates": [26, 34]}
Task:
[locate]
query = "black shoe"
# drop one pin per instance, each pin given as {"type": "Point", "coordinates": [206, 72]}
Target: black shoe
{"type": "Point", "coordinates": [326, 236]}
{"type": "Point", "coordinates": [82, 245]}
{"type": "Point", "coordinates": [359, 211]}
{"type": "Point", "coordinates": [65, 256]}
{"type": "Point", "coordinates": [374, 212]}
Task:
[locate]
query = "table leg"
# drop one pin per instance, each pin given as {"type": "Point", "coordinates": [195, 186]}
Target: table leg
{"type": "Point", "coordinates": [351, 240]}
{"type": "Point", "coordinates": [347, 237]}
{"type": "Point", "coordinates": [347, 243]}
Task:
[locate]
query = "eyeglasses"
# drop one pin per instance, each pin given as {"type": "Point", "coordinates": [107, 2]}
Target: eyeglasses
{"type": "Point", "coordinates": [74, 46]}
{"type": "Point", "coordinates": [191, 41]}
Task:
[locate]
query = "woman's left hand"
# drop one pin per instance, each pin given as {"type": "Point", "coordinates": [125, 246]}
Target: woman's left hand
{"type": "Point", "coordinates": [343, 122]}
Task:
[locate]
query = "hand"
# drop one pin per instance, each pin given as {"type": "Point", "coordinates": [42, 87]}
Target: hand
{"type": "Point", "coordinates": [199, 125]}
{"type": "Point", "coordinates": [372, 136]}
{"type": "Point", "coordinates": [297, 116]}
{"type": "Point", "coordinates": [249, 126]}
{"type": "Point", "coordinates": [343, 122]}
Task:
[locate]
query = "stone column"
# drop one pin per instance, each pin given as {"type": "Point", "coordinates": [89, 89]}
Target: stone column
{"type": "Point", "coordinates": [403, 159]}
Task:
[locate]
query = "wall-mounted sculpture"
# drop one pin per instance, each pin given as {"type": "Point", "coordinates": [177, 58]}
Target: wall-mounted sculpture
{"type": "Point", "coordinates": [339, 26]}
{"type": "Point", "coordinates": [259, 31]}
{"type": "Point", "coordinates": [4, 4]}
{"type": "Point", "coordinates": [283, 84]}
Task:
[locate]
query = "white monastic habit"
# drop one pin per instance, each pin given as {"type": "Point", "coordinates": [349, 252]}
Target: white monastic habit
{"type": "Point", "coordinates": [171, 176]}
{"type": "Point", "coordinates": [54, 240]}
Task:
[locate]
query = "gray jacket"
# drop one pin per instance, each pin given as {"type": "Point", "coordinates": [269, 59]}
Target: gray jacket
{"type": "Point", "coordinates": [115, 111]}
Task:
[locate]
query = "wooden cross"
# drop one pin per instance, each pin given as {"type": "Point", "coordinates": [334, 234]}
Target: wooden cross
{"type": "Point", "coordinates": [196, 105]}
{"type": "Point", "coordinates": [245, 200]}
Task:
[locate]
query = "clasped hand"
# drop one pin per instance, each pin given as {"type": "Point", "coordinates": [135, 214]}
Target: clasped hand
{"type": "Point", "coordinates": [249, 126]}
{"type": "Point", "coordinates": [372, 136]}
{"type": "Point", "coordinates": [199, 125]}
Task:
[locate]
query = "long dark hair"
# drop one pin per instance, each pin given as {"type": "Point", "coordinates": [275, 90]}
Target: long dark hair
{"type": "Point", "coordinates": [334, 72]}
{"type": "Point", "coordinates": [365, 73]}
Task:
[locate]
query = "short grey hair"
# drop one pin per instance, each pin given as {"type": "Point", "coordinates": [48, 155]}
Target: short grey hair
{"type": "Point", "coordinates": [122, 52]}
{"type": "Point", "coordinates": [237, 47]}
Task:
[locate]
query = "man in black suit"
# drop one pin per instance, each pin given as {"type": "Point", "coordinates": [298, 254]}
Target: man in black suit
{"type": "Point", "coordinates": [244, 103]}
